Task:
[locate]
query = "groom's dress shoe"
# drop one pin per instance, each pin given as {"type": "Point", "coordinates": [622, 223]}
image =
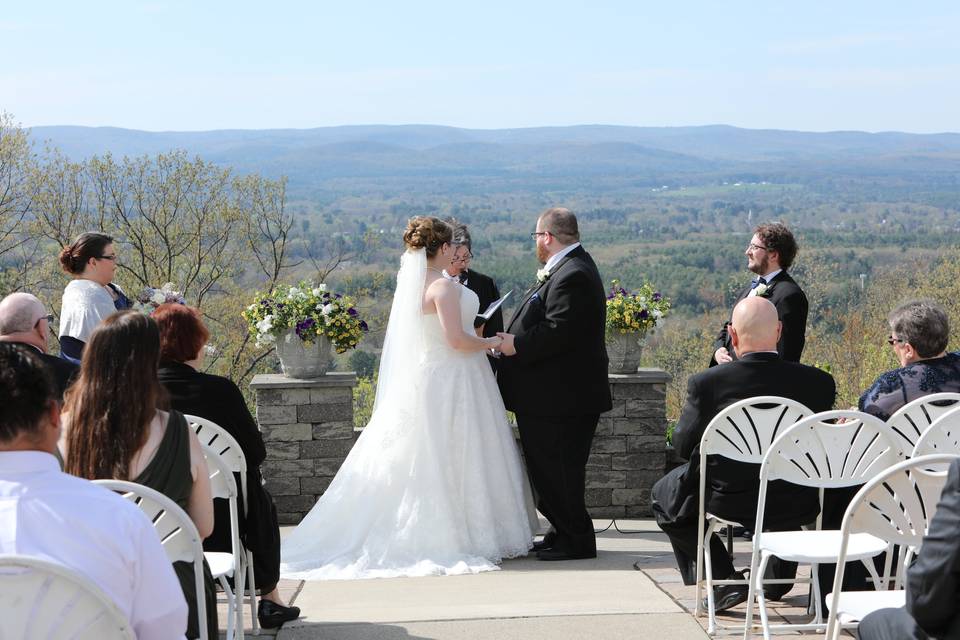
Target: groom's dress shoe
{"type": "Point", "coordinates": [549, 539]}
{"type": "Point", "coordinates": [559, 554]}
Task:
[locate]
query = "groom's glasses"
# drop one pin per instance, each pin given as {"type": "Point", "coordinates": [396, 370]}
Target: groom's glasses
{"type": "Point", "coordinates": [534, 234]}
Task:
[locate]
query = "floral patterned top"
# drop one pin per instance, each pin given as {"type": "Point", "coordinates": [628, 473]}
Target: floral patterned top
{"type": "Point", "coordinates": [896, 388]}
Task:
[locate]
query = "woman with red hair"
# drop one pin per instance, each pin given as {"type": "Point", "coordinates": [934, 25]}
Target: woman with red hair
{"type": "Point", "coordinates": [183, 337]}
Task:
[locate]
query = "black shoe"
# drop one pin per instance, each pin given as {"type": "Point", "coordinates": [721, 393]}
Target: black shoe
{"type": "Point", "coordinates": [727, 596]}
{"type": "Point", "coordinates": [549, 539]}
{"type": "Point", "coordinates": [746, 534]}
{"type": "Point", "coordinates": [559, 554]}
{"type": "Point", "coordinates": [271, 615]}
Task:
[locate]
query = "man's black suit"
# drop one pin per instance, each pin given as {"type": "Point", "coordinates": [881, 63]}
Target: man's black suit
{"type": "Point", "coordinates": [791, 303]}
{"type": "Point", "coordinates": [933, 580]}
{"type": "Point", "coordinates": [63, 371]}
{"type": "Point", "coordinates": [557, 386]}
{"type": "Point", "coordinates": [732, 487]}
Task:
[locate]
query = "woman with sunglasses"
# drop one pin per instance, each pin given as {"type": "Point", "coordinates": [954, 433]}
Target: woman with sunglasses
{"type": "Point", "coordinates": [91, 296]}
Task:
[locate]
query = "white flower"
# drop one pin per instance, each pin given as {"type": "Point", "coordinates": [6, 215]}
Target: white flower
{"type": "Point", "coordinates": [327, 309]}
{"type": "Point", "coordinates": [168, 287]}
{"type": "Point", "coordinates": [252, 307]}
{"type": "Point", "coordinates": [657, 313]}
{"type": "Point", "coordinates": [542, 275]}
{"type": "Point", "coordinates": [264, 339]}
{"type": "Point", "coordinates": [320, 289]}
{"type": "Point", "coordinates": [158, 297]}
{"type": "Point", "coordinates": [265, 325]}
{"type": "Point", "coordinates": [760, 290]}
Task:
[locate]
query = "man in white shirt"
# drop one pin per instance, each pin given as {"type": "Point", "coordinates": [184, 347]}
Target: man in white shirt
{"type": "Point", "coordinates": [51, 515]}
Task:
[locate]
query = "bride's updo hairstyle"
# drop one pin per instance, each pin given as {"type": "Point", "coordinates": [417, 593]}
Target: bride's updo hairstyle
{"type": "Point", "coordinates": [426, 232]}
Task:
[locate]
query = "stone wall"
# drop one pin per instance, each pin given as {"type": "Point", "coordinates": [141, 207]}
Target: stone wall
{"type": "Point", "coordinates": [307, 426]}
{"type": "Point", "coordinates": [628, 453]}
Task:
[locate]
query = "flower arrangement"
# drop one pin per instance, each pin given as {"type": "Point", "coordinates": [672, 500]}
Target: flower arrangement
{"type": "Point", "coordinates": [636, 312]}
{"type": "Point", "coordinates": [311, 311]}
{"type": "Point", "coordinates": [150, 298]}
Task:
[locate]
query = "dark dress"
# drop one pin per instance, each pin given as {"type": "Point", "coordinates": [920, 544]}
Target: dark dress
{"type": "Point", "coordinates": [896, 388]}
{"type": "Point", "coordinates": [486, 290]}
{"type": "Point", "coordinates": [169, 473]}
{"type": "Point", "coordinates": [218, 399]}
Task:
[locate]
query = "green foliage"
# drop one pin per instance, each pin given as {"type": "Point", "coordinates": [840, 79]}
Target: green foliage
{"type": "Point", "coordinates": [363, 398]}
{"type": "Point", "coordinates": [363, 363]}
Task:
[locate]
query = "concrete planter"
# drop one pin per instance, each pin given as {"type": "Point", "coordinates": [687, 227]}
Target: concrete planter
{"type": "Point", "coordinates": [303, 361]}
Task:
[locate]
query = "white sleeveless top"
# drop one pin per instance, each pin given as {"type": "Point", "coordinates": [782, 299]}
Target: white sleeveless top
{"type": "Point", "coordinates": [85, 305]}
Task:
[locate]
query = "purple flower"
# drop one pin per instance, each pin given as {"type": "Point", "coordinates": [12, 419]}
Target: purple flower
{"type": "Point", "coordinates": [363, 326]}
{"type": "Point", "coordinates": [337, 296]}
{"type": "Point", "coordinates": [352, 312]}
{"type": "Point", "coordinates": [624, 292]}
{"type": "Point", "coordinates": [644, 314]}
{"type": "Point", "coordinates": [657, 297]}
{"type": "Point", "coordinates": [304, 325]}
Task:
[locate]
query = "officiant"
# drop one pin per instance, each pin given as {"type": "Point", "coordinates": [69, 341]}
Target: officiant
{"type": "Point", "coordinates": [480, 284]}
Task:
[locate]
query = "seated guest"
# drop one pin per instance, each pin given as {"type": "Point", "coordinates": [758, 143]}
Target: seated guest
{"type": "Point", "coordinates": [116, 428]}
{"type": "Point", "coordinates": [919, 333]}
{"type": "Point", "coordinates": [91, 296]}
{"type": "Point", "coordinates": [24, 320]}
{"type": "Point", "coordinates": [732, 487]}
{"type": "Point", "coordinates": [183, 337]}
{"type": "Point", "coordinates": [933, 580]}
{"type": "Point", "coordinates": [51, 515]}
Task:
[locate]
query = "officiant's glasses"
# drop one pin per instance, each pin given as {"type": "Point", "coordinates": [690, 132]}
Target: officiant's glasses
{"type": "Point", "coordinates": [892, 341]}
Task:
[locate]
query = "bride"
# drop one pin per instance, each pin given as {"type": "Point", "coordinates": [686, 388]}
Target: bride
{"type": "Point", "coordinates": [433, 486]}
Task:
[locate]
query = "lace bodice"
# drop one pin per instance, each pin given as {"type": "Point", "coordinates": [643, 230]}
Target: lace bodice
{"type": "Point", "coordinates": [434, 343]}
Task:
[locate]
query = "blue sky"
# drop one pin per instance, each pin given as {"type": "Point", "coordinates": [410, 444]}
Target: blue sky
{"type": "Point", "coordinates": [815, 66]}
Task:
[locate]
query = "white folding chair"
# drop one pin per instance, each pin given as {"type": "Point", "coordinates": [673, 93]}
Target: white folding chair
{"type": "Point", "coordinates": [227, 565]}
{"type": "Point", "coordinates": [177, 533]}
{"type": "Point", "coordinates": [742, 432]}
{"type": "Point", "coordinates": [914, 418]}
{"type": "Point", "coordinates": [943, 436]}
{"type": "Point", "coordinates": [43, 599]}
{"type": "Point", "coordinates": [896, 506]}
{"type": "Point", "coordinates": [815, 452]}
{"type": "Point", "coordinates": [216, 439]}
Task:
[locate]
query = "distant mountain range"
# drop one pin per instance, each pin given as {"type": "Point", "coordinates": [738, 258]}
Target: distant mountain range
{"type": "Point", "coordinates": [311, 158]}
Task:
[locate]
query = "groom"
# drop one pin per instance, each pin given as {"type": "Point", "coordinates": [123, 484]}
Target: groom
{"type": "Point", "coordinates": [554, 378]}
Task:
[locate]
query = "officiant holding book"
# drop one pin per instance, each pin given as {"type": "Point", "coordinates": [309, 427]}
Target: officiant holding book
{"type": "Point", "coordinates": [480, 284]}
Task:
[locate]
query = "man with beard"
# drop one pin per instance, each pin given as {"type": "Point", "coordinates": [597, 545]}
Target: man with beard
{"type": "Point", "coordinates": [770, 253]}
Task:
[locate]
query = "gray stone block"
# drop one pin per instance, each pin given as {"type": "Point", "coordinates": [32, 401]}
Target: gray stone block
{"type": "Point", "coordinates": [330, 395]}
{"type": "Point", "coordinates": [598, 461]}
{"type": "Point", "coordinates": [291, 517]}
{"type": "Point", "coordinates": [645, 408]}
{"type": "Point", "coordinates": [629, 496]}
{"type": "Point", "coordinates": [315, 486]}
{"type": "Point", "coordinates": [335, 430]}
{"type": "Point", "coordinates": [598, 497]}
{"type": "Point", "coordinates": [647, 460]}
{"type": "Point", "coordinates": [603, 479]}
{"type": "Point", "coordinates": [283, 396]}
{"type": "Point", "coordinates": [284, 468]}
{"type": "Point", "coordinates": [300, 504]}
{"type": "Point", "coordinates": [626, 391]}
{"type": "Point", "coordinates": [642, 478]}
{"type": "Point", "coordinates": [326, 448]}
{"type": "Point", "coordinates": [609, 444]}
{"type": "Point", "coordinates": [604, 427]}
{"type": "Point", "coordinates": [294, 432]}
{"type": "Point", "coordinates": [627, 426]}
{"type": "Point", "coordinates": [340, 412]}
{"type": "Point", "coordinates": [283, 450]}
{"type": "Point", "coordinates": [609, 511]}
{"type": "Point", "coordinates": [280, 414]}
{"type": "Point", "coordinates": [327, 466]}
{"type": "Point", "coordinates": [642, 444]}
{"type": "Point", "coordinates": [618, 410]}
{"type": "Point", "coordinates": [283, 486]}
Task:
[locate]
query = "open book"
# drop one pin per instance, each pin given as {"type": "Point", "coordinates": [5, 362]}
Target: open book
{"type": "Point", "coordinates": [483, 317]}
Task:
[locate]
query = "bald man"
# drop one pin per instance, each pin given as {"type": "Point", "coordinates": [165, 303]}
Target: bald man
{"type": "Point", "coordinates": [732, 487]}
{"type": "Point", "coordinates": [24, 321]}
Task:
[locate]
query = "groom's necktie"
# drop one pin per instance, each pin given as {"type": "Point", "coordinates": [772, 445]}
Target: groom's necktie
{"type": "Point", "coordinates": [757, 282]}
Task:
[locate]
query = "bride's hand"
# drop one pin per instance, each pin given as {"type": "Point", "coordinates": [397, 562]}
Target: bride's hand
{"type": "Point", "coordinates": [494, 342]}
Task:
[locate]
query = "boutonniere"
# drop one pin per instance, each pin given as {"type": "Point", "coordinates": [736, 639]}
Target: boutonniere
{"type": "Point", "coordinates": [542, 275]}
{"type": "Point", "coordinates": [762, 290]}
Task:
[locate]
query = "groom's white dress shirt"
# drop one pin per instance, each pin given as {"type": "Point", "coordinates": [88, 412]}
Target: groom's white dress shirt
{"type": "Point", "coordinates": [557, 257]}
{"type": "Point", "coordinates": [58, 517]}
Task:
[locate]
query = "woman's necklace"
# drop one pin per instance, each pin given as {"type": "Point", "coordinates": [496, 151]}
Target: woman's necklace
{"type": "Point", "coordinates": [435, 269]}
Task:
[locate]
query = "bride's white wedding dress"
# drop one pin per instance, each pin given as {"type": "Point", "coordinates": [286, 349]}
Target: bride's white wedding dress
{"type": "Point", "coordinates": [434, 485]}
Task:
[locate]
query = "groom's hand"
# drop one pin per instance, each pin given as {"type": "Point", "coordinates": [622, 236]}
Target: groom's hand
{"type": "Point", "coordinates": [507, 348]}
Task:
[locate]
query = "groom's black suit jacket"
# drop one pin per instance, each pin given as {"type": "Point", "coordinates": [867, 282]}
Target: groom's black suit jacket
{"type": "Point", "coordinates": [791, 303]}
{"type": "Point", "coordinates": [733, 487]}
{"type": "Point", "coordinates": [560, 368]}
